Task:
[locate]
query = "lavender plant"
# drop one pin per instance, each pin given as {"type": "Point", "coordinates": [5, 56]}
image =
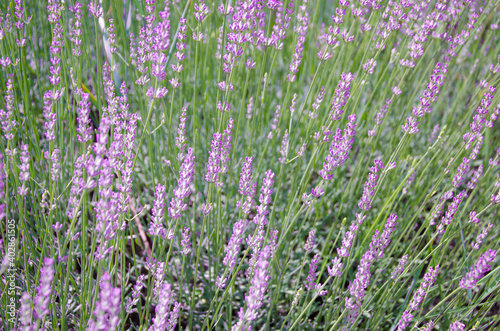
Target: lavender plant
{"type": "Point", "coordinates": [249, 165]}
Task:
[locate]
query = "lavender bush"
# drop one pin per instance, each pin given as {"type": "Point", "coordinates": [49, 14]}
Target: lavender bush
{"type": "Point", "coordinates": [249, 165]}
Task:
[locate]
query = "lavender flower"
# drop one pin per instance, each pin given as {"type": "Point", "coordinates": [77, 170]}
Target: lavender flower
{"type": "Point", "coordinates": [399, 268]}
{"type": "Point", "coordinates": [457, 326]}
{"type": "Point", "coordinates": [342, 94]}
{"type": "Point", "coordinates": [213, 166]}
{"type": "Point", "coordinates": [429, 279]}
{"type": "Point", "coordinates": [181, 135]}
{"type": "Point", "coordinates": [76, 31]}
{"type": "Point", "coordinates": [481, 236]}
{"type": "Point", "coordinates": [301, 29]}
{"type": "Point", "coordinates": [107, 309]}
{"type": "Point", "coordinates": [165, 299]}
{"type": "Point", "coordinates": [25, 312]}
{"type": "Point", "coordinates": [247, 187]}
{"type": "Point", "coordinates": [317, 103]}
{"type": "Point", "coordinates": [249, 108]}
{"type": "Point", "coordinates": [24, 168]}
{"type": "Point", "coordinates": [311, 278]}
{"type": "Point", "coordinates": [185, 242]}
{"type": "Point", "coordinates": [44, 289]}
{"type": "Point", "coordinates": [310, 242]}
{"type": "Point", "coordinates": [362, 280]}
{"type": "Point", "coordinates": [479, 270]}
{"type": "Point", "coordinates": [255, 294]}
{"type": "Point", "coordinates": [7, 117]}
{"type": "Point", "coordinates": [136, 295]}
{"type": "Point", "coordinates": [226, 147]}
{"type": "Point", "coordinates": [284, 148]}
{"type": "Point", "coordinates": [336, 269]}
{"type": "Point", "coordinates": [339, 150]}
{"type": "Point", "coordinates": [156, 228]}
{"type": "Point", "coordinates": [84, 131]}
{"type": "Point", "coordinates": [452, 209]}
{"type": "Point", "coordinates": [177, 204]}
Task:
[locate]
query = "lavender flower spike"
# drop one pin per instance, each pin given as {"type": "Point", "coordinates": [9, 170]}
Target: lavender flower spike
{"type": "Point", "coordinates": [429, 280]}
{"type": "Point", "coordinates": [479, 270]}
{"type": "Point", "coordinates": [156, 227]}
{"type": "Point", "coordinates": [255, 294]}
{"type": "Point", "coordinates": [107, 309]}
{"type": "Point", "coordinates": [44, 289]}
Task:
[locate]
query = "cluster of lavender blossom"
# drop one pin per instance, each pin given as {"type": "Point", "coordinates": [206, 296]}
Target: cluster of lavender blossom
{"type": "Point", "coordinates": [157, 170]}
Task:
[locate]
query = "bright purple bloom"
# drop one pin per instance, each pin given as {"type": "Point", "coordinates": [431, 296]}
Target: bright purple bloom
{"type": "Point", "coordinates": [185, 242]}
{"type": "Point", "coordinates": [7, 118]}
{"type": "Point", "coordinates": [24, 170]}
{"type": "Point", "coordinates": [311, 278]}
{"type": "Point", "coordinates": [400, 267]}
{"type": "Point", "coordinates": [342, 94]}
{"type": "Point", "coordinates": [136, 295]}
{"type": "Point", "coordinates": [44, 289]}
{"type": "Point", "coordinates": [284, 148]}
{"type": "Point", "coordinates": [186, 173]}
{"type": "Point", "coordinates": [484, 233]}
{"type": "Point", "coordinates": [255, 296]}
{"type": "Point", "coordinates": [457, 326]}
{"type": "Point", "coordinates": [482, 266]}
{"type": "Point", "coordinates": [156, 228]}
{"type": "Point", "coordinates": [452, 209]}
{"type": "Point", "coordinates": [339, 150]}
{"type": "Point", "coordinates": [429, 280]}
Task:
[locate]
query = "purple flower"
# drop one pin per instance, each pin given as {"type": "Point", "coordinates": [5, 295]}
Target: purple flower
{"type": "Point", "coordinates": [310, 242]}
{"type": "Point", "coordinates": [317, 103]}
{"type": "Point", "coordinates": [76, 30]}
{"type": "Point", "coordinates": [7, 118]}
{"type": "Point", "coordinates": [213, 166]}
{"type": "Point", "coordinates": [274, 122]}
{"type": "Point", "coordinates": [339, 150]}
{"type": "Point", "coordinates": [249, 108]}
{"type": "Point", "coordinates": [399, 268]}
{"type": "Point", "coordinates": [301, 29]}
{"type": "Point", "coordinates": [44, 289]}
{"type": "Point", "coordinates": [342, 94]}
{"type": "Point", "coordinates": [161, 320]}
{"type": "Point", "coordinates": [25, 313]}
{"type": "Point", "coordinates": [457, 326]}
{"type": "Point", "coordinates": [481, 267]}
{"type": "Point", "coordinates": [336, 269]}
{"type": "Point", "coordinates": [255, 294]}
{"type": "Point", "coordinates": [84, 131]}
{"type": "Point", "coordinates": [185, 242]}
{"type": "Point", "coordinates": [181, 134]}
{"type": "Point", "coordinates": [107, 309]}
{"type": "Point", "coordinates": [481, 236]}
{"type": "Point", "coordinates": [136, 295]}
{"type": "Point", "coordinates": [362, 280]}
{"type": "Point", "coordinates": [233, 247]}
{"type": "Point", "coordinates": [156, 228]}
{"type": "Point", "coordinates": [284, 148]}
{"type": "Point", "coordinates": [24, 170]}
{"type": "Point", "coordinates": [311, 278]}
{"type": "Point", "coordinates": [411, 126]}
{"type": "Point", "coordinates": [429, 279]}
{"type": "Point", "coordinates": [226, 147]}
{"type": "Point", "coordinates": [463, 168]}
{"type": "Point", "coordinates": [452, 209]}
{"type": "Point", "coordinates": [429, 326]}
{"type": "Point", "coordinates": [186, 173]}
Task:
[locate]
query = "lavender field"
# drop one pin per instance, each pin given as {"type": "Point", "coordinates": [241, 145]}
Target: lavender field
{"type": "Point", "coordinates": [249, 165]}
